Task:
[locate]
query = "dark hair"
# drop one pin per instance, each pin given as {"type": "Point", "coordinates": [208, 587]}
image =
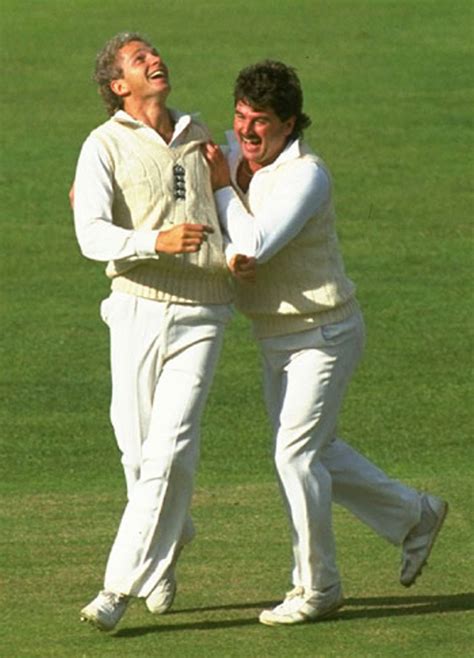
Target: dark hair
{"type": "Point", "coordinates": [107, 68]}
{"type": "Point", "coordinates": [272, 84]}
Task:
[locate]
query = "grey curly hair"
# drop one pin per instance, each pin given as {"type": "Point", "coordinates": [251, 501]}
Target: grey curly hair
{"type": "Point", "coordinates": [107, 68]}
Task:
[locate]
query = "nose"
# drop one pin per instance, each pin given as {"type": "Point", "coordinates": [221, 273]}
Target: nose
{"type": "Point", "coordinates": [247, 128]}
{"type": "Point", "coordinates": [154, 58]}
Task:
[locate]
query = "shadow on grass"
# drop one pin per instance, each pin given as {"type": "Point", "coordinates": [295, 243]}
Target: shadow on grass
{"type": "Point", "coordinates": [397, 606]}
{"type": "Point", "coordinates": [354, 608]}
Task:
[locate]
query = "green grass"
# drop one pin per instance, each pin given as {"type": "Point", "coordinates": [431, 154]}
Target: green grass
{"type": "Point", "coordinates": [388, 84]}
{"type": "Point", "coordinates": [238, 565]}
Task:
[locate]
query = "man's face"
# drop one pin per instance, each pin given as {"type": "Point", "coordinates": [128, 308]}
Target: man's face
{"type": "Point", "coordinates": [144, 73]}
{"type": "Point", "coordinates": [262, 135]}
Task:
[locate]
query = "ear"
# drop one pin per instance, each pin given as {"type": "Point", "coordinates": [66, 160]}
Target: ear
{"type": "Point", "coordinates": [289, 125]}
{"type": "Point", "coordinates": [119, 87]}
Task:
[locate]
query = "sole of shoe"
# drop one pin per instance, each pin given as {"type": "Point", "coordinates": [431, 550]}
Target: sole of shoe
{"type": "Point", "coordinates": [436, 530]}
{"type": "Point", "coordinates": [304, 619]}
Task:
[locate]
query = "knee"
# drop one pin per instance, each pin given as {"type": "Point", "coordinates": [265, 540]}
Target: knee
{"type": "Point", "coordinates": [165, 467]}
{"type": "Point", "coordinates": [131, 471]}
{"type": "Point", "coordinates": [289, 460]}
{"type": "Point", "coordinates": [305, 464]}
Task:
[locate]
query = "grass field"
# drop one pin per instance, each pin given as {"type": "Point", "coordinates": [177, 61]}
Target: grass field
{"type": "Point", "coordinates": [389, 86]}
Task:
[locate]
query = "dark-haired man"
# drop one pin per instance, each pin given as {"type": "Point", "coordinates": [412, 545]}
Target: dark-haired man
{"type": "Point", "coordinates": [274, 197]}
{"type": "Point", "coordinates": [143, 203]}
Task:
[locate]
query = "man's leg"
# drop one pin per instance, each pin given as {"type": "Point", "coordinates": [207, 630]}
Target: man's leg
{"type": "Point", "coordinates": [135, 329]}
{"type": "Point", "coordinates": [314, 368]}
{"type": "Point", "coordinates": [389, 507]}
{"type": "Point", "coordinates": [394, 511]}
{"type": "Point", "coordinates": [155, 517]}
{"type": "Point", "coordinates": [172, 374]}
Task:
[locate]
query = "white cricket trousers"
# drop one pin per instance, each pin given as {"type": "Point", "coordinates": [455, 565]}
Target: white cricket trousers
{"type": "Point", "coordinates": [163, 358]}
{"type": "Point", "coordinates": [305, 378]}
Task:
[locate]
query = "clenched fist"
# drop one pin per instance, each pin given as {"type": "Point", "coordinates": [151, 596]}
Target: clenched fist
{"type": "Point", "coordinates": [244, 268]}
{"type": "Point", "coordinates": [182, 239]}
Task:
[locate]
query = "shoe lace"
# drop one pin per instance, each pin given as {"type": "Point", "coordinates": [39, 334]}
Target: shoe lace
{"type": "Point", "coordinates": [296, 592]}
{"type": "Point", "coordinates": [293, 599]}
{"type": "Point", "coordinates": [292, 602]}
{"type": "Point", "coordinates": [113, 598]}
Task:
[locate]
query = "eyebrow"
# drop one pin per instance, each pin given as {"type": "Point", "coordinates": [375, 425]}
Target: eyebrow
{"type": "Point", "coordinates": [139, 49]}
{"type": "Point", "coordinates": [256, 113]}
{"type": "Point", "coordinates": [144, 47]}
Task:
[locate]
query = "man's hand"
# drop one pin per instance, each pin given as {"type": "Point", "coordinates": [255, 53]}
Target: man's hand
{"type": "Point", "coordinates": [182, 239]}
{"type": "Point", "coordinates": [220, 174]}
{"type": "Point", "coordinates": [71, 196]}
{"type": "Point", "coordinates": [244, 268]}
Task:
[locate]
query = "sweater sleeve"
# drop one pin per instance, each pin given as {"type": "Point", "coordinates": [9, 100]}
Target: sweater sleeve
{"type": "Point", "coordinates": [299, 194]}
{"type": "Point", "coordinates": [99, 239]}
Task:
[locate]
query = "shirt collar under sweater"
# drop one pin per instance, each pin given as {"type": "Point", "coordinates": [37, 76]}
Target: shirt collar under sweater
{"type": "Point", "coordinates": [181, 122]}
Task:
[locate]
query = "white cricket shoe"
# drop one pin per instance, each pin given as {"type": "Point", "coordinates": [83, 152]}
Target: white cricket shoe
{"type": "Point", "coordinates": [161, 598]}
{"type": "Point", "coordinates": [420, 540]}
{"type": "Point", "coordinates": [106, 610]}
{"type": "Point", "coordinates": [299, 607]}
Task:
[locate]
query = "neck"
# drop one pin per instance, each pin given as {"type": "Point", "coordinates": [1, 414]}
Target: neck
{"type": "Point", "coordinates": [245, 173]}
{"type": "Point", "coordinates": [154, 114]}
{"type": "Point", "coordinates": [251, 167]}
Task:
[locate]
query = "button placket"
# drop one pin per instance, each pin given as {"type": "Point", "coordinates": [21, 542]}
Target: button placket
{"type": "Point", "coordinates": [179, 180]}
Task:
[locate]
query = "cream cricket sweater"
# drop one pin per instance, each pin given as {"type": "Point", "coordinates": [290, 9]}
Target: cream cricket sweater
{"type": "Point", "coordinates": [304, 284]}
{"type": "Point", "coordinates": [157, 187]}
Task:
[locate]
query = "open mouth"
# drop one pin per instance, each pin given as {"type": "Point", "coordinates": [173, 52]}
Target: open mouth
{"type": "Point", "coordinates": [252, 139]}
{"type": "Point", "coordinates": [157, 75]}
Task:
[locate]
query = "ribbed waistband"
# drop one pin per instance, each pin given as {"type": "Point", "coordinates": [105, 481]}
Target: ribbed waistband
{"type": "Point", "coordinates": [265, 326]}
{"type": "Point", "coordinates": [164, 286]}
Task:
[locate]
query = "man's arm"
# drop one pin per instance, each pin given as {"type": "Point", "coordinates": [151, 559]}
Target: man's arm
{"type": "Point", "coordinates": [301, 191]}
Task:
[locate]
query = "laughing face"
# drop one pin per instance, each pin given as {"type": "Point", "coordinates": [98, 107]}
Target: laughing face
{"type": "Point", "coordinates": [144, 73]}
{"type": "Point", "coordinates": [261, 133]}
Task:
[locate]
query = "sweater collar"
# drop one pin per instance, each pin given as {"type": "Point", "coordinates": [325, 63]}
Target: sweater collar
{"type": "Point", "coordinates": [181, 119]}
